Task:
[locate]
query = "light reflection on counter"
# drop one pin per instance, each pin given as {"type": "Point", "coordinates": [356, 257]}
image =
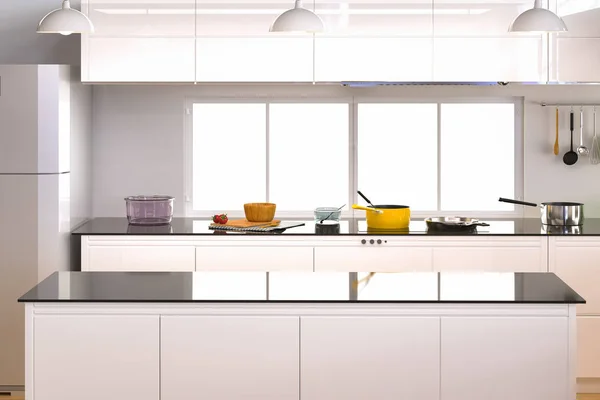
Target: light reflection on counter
{"type": "Point", "coordinates": [309, 286]}
{"type": "Point", "coordinates": [483, 286]}
{"type": "Point", "coordinates": [229, 286]}
{"type": "Point", "coordinates": [330, 286]}
{"type": "Point", "coordinates": [417, 286]}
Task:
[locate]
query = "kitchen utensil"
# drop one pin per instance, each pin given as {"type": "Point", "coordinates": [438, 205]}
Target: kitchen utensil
{"type": "Point", "coordinates": [582, 150]}
{"type": "Point", "coordinates": [570, 156]}
{"type": "Point", "coordinates": [558, 213]}
{"type": "Point", "coordinates": [386, 217]}
{"type": "Point", "coordinates": [327, 213]}
{"type": "Point", "coordinates": [595, 150]}
{"type": "Point", "coordinates": [556, 147]}
{"type": "Point", "coordinates": [365, 198]}
{"type": "Point", "coordinates": [453, 223]}
{"type": "Point", "coordinates": [371, 209]}
{"type": "Point", "coordinates": [259, 212]}
{"type": "Point", "coordinates": [149, 210]}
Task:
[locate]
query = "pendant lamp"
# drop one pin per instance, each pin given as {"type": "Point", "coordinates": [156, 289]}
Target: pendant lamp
{"type": "Point", "coordinates": [65, 21]}
{"type": "Point", "coordinates": [298, 19]}
{"type": "Point", "coordinates": [538, 19]}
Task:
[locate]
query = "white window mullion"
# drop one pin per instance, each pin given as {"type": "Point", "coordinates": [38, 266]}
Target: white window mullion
{"type": "Point", "coordinates": [353, 154]}
{"type": "Point", "coordinates": [267, 150]}
{"type": "Point", "coordinates": [439, 157]}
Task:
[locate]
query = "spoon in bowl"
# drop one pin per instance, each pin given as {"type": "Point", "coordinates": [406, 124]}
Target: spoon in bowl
{"type": "Point", "coordinates": [331, 213]}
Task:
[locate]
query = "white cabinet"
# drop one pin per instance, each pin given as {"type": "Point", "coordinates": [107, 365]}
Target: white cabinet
{"type": "Point", "coordinates": [472, 43]}
{"type": "Point", "coordinates": [359, 358]}
{"type": "Point", "coordinates": [254, 258]}
{"type": "Point", "coordinates": [476, 349]}
{"type": "Point", "coordinates": [96, 357]}
{"type": "Point", "coordinates": [576, 260]}
{"type": "Point", "coordinates": [230, 357]}
{"type": "Point", "coordinates": [139, 41]}
{"type": "Point", "coordinates": [372, 259]}
{"type": "Point", "coordinates": [513, 254]}
{"type": "Point", "coordinates": [588, 347]}
{"type": "Point", "coordinates": [373, 58]}
{"type": "Point", "coordinates": [577, 51]}
{"type": "Point", "coordinates": [375, 42]}
{"type": "Point", "coordinates": [100, 253]}
{"type": "Point", "coordinates": [272, 58]}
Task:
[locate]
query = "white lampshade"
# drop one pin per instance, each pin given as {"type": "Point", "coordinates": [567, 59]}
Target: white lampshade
{"type": "Point", "coordinates": [538, 19]}
{"type": "Point", "coordinates": [65, 20]}
{"type": "Point", "coordinates": [298, 19]}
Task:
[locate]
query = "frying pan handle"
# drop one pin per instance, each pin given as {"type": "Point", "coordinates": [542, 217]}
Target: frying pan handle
{"type": "Point", "coordinates": [364, 197]}
{"type": "Point", "coordinates": [522, 203]}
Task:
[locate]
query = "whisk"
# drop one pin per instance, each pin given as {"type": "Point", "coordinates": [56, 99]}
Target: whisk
{"type": "Point", "coordinates": [595, 150]}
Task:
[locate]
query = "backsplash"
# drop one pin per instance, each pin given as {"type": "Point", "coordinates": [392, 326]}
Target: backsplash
{"type": "Point", "coordinates": [138, 141]}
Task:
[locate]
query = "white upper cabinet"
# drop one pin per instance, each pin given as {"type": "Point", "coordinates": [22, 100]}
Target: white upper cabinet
{"type": "Point", "coordinates": [139, 41]}
{"type": "Point", "coordinates": [472, 43]}
{"type": "Point", "coordinates": [374, 41]}
{"type": "Point", "coordinates": [234, 43]}
{"type": "Point", "coordinates": [577, 52]}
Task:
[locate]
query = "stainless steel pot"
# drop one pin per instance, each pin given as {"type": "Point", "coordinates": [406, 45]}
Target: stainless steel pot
{"type": "Point", "coordinates": [556, 213]}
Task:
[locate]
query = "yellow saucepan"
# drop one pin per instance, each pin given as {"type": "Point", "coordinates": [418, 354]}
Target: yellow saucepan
{"type": "Point", "coordinates": [388, 217]}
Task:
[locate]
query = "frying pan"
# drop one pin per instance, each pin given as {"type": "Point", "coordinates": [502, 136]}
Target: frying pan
{"type": "Point", "coordinates": [557, 213]}
{"type": "Point", "coordinates": [453, 223]}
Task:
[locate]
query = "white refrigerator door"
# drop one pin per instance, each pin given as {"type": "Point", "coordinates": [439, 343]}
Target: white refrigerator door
{"type": "Point", "coordinates": [33, 243]}
{"type": "Point", "coordinates": [35, 114]}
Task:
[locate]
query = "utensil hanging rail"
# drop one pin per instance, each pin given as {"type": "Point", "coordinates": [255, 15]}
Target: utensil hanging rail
{"type": "Point", "coordinates": [570, 105]}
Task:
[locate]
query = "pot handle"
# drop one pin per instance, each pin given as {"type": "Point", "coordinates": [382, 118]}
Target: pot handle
{"type": "Point", "coordinates": [521, 203]}
{"type": "Point", "coordinates": [358, 207]}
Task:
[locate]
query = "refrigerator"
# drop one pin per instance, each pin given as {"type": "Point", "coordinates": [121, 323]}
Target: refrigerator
{"type": "Point", "coordinates": [36, 121]}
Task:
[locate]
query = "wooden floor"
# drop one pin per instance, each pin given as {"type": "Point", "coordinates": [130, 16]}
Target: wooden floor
{"type": "Point", "coordinates": [579, 397]}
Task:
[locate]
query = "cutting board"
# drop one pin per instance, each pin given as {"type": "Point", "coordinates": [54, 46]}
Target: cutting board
{"type": "Point", "coordinates": [244, 223]}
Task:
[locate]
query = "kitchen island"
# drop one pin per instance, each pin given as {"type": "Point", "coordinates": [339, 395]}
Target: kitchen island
{"type": "Point", "coordinates": [300, 335]}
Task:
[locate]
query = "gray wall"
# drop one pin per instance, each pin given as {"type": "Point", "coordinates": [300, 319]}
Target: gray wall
{"type": "Point", "coordinates": [19, 42]}
{"type": "Point", "coordinates": [138, 137]}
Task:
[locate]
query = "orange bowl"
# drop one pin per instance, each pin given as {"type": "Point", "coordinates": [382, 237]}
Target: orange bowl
{"type": "Point", "coordinates": [259, 212]}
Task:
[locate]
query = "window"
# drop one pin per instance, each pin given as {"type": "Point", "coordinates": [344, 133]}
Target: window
{"type": "Point", "coordinates": [447, 157]}
{"type": "Point", "coordinates": [439, 157]}
{"type": "Point", "coordinates": [292, 154]}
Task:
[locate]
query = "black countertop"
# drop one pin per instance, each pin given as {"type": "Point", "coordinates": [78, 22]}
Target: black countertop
{"type": "Point", "coordinates": [348, 226]}
{"type": "Point", "coordinates": [303, 287]}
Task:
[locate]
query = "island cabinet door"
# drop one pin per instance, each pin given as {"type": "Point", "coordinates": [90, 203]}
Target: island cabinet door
{"type": "Point", "coordinates": [500, 358]}
{"type": "Point", "coordinates": [95, 357]}
{"type": "Point", "coordinates": [360, 358]}
{"type": "Point", "coordinates": [229, 358]}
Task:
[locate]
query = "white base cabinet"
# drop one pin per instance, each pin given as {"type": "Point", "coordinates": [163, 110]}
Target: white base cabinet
{"type": "Point", "coordinates": [475, 350]}
{"type": "Point", "coordinates": [293, 253]}
{"type": "Point", "coordinates": [93, 357]}
{"type": "Point", "coordinates": [307, 351]}
{"type": "Point", "coordinates": [576, 260]}
{"type": "Point", "coordinates": [229, 357]}
{"type": "Point", "coordinates": [357, 358]}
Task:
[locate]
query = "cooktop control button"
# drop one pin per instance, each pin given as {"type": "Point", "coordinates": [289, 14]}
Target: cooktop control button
{"type": "Point", "coordinates": [371, 241]}
{"type": "Point", "coordinates": [363, 241]}
{"type": "Point", "coordinates": [378, 241]}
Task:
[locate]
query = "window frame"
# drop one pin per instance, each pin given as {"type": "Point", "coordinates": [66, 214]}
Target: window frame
{"type": "Point", "coordinates": [352, 196]}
